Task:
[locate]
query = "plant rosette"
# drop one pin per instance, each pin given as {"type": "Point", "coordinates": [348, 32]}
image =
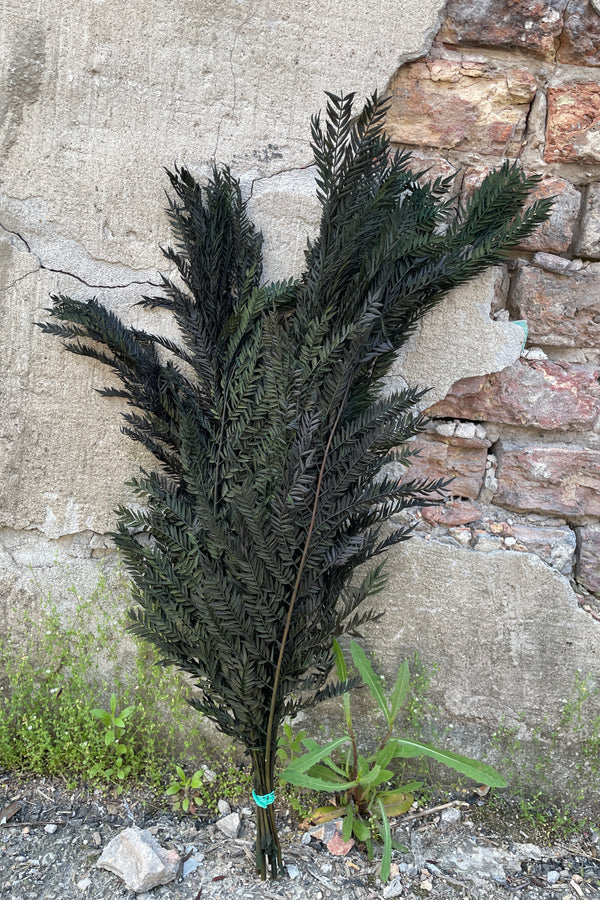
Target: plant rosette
{"type": "Point", "coordinates": [365, 799]}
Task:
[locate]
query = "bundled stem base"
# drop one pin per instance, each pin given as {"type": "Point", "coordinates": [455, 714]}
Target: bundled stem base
{"type": "Point", "coordinates": [268, 849]}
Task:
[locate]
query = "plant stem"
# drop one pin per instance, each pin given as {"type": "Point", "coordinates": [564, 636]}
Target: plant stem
{"type": "Point", "coordinates": [296, 590]}
{"type": "Point", "coordinates": [268, 849]}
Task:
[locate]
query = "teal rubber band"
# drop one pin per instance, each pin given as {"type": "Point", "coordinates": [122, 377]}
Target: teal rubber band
{"type": "Point", "coordinates": [265, 800]}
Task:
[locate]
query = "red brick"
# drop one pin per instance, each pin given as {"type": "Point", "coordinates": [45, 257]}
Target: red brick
{"type": "Point", "coordinates": [580, 39]}
{"type": "Point", "coordinates": [452, 513]}
{"type": "Point", "coordinates": [532, 26]}
{"type": "Point", "coordinates": [555, 235]}
{"type": "Point", "coordinates": [467, 104]}
{"type": "Point", "coordinates": [451, 457]}
{"type": "Point", "coordinates": [544, 394]}
{"type": "Point", "coordinates": [561, 310]}
{"type": "Point", "coordinates": [573, 123]}
{"type": "Point", "coordinates": [588, 566]}
{"type": "Point", "coordinates": [561, 481]}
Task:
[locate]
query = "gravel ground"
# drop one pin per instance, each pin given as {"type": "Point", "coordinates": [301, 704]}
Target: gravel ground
{"type": "Point", "coordinates": [50, 846]}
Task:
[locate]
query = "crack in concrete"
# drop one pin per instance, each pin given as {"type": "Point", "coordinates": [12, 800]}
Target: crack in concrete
{"type": "Point", "coordinates": [7, 288]}
{"type": "Point", "coordinates": [16, 234]}
{"type": "Point", "coordinates": [233, 77]}
{"type": "Point", "coordinates": [276, 174]}
{"type": "Point", "coordinates": [46, 268]}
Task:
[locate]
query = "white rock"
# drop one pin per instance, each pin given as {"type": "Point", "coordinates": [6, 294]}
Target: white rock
{"type": "Point", "coordinates": [552, 876]}
{"type": "Point", "coordinates": [50, 829]}
{"type": "Point", "coordinates": [229, 825]}
{"type": "Point", "coordinates": [449, 817]}
{"type": "Point", "coordinates": [446, 429]}
{"type": "Point", "coordinates": [465, 430]}
{"type": "Point", "coordinates": [84, 884]}
{"type": "Point", "coordinates": [536, 353]}
{"type": "Point", "coordinates": [137, 858]}
{"type": "Point", "coordinates": [393, 889]}
{"type": "Point", "coordinates": [209, 775]}
{"type": "Point", "coordinates": [292, 870]}
{"type": "Point", "coordinates": [223, 807]}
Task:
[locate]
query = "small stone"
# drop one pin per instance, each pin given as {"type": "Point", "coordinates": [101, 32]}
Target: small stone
{"type": "Point", "coordinates": [190, 865]}
{"type": "Point", "coordinates": [486, 543]}
{"type": "Point", "coordinates": [209, 775]}
{"type": "Point", "coordinates": [337, 846]}
{"type": "Point", "coordinates": [326, 831]}
{"type": "Point", "coordinates": [426, 885]}
{"type": "Point", "coordinates": [306, 838]}
{"type": "Point", "coordinates": [552, 877]}
{"type": "Point", "coordinates": [223, 807]}
{"type": "Point", "coordinates": [84, 884]}
{"type": "Point", "coordinates": [462, 535]}
{"type": "Point", "coordinates": [246, 811]}
{"type": "Point", "coordinates": [449, 817]}
{"type": "Point", "coordinates": [465, 430]}
{"type": "Point", "coordinates": [292, 870]}
{"type": "Point", "coordinates": [536, 353]}
{"type": "Point", "coordinates": [50, 829]}
{"type": "Point", "coordinates": [393, 889]}
{"type": "Point", "coordinates": [553, 263]}
{"type": "Point", "coordinates": [229, 825]}
{"type": "Point", "coordinates": [446, 429]}
{"type": "Point", "coordinates": [454, 513]}
{"type": "Point", "coordinates": [97, 839]}
{"type": "Point", "coordinates": [136, 857]}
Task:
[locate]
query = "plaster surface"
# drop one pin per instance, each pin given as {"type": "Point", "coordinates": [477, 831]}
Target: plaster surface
{"type": "Point", "coordinates": [98, 97]}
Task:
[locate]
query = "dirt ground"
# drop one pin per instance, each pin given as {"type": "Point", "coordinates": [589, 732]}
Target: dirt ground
{"type": "Point", "coordinates": [52, 837]}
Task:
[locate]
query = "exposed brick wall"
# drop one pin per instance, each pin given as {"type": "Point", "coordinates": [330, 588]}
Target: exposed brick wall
{"type": "Point", "coordinates": [521, 80]}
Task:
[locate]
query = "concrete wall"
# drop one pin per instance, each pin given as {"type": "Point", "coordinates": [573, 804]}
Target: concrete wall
{"type": "Point", "coordinates": [499, 587]}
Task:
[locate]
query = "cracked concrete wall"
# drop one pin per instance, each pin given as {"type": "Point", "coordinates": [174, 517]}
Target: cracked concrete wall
{"type": "Point", "coordinates": [94, 105]}
{"type": "Point", "coordinates": [94, 101]}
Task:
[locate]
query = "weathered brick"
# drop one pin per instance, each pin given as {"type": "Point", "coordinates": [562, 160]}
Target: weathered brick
{"type": "Point", "coordinates": [544, 394]}
{"type": "Point", "coordinates": [451, 457]}
{"type": "Point", "coordinates": [468, 104]}
{"type": "Point", "coordinates": [573, 123]}
{"type": "Point", "coordinates": [532, 26]}
{"type": "Point", "coordinates": [589, 238]}
{"type": "Point", "coordinates": [588, 565]}
{"type": "Point", "coordinates": [556, 480]}
{"type": "Point", "coordinates": [555, 235]}
{"type": "Point", "coordinates": [561, 310]}
{"type": "Point", "coordinates": [555, 545]}
{"type": "Point", "coordinates": [580, 39]}
{"type": "Point", "coordinates": [455, 512]}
